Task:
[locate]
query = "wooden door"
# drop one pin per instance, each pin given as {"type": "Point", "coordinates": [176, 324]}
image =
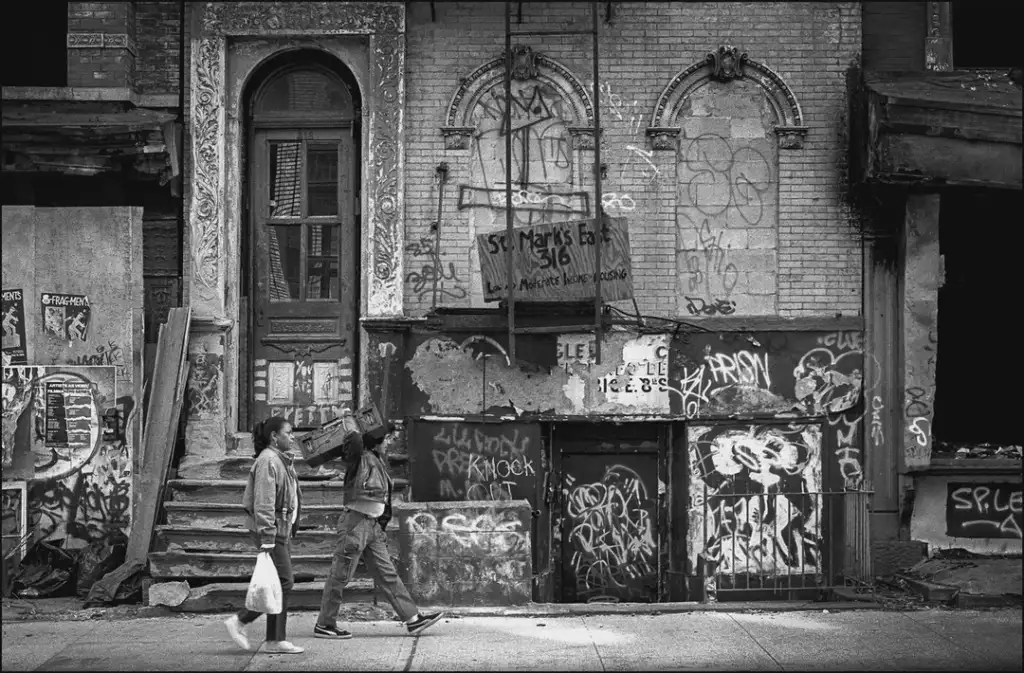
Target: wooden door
{"type": "Point", "coordinates": [610, 531]}
{"type": "Point", "coordinates": [305, 290]}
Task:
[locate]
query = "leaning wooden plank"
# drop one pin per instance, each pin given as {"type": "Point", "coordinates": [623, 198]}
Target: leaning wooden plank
{"type": "Point", "coordinates": [161, 423]}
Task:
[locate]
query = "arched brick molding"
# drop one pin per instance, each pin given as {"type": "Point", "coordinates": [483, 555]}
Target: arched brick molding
{"type": "Point", "coordinates": [727, 117]}
{"type": "Point", "coordinates": [551, 125]}
{"type": "Point", "coordinates": [527, 65]}
{"type": "Point", "coordinates": [724, 65]}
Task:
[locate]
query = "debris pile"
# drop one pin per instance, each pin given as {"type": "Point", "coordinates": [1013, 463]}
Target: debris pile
{"type": "Point", "coordinates": [983, 450]}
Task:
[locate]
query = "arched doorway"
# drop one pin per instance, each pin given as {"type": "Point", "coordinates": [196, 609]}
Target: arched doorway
{"type": "Point", "coordinates": [301, 256]}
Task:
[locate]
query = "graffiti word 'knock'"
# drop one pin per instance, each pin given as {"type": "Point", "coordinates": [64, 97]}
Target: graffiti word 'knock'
{"type": "Point", "coordinates": [457, 463]}
{"type": "Point", "coordinates": [984, 510]}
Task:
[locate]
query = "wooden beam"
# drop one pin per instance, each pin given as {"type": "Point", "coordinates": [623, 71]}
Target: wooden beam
{"type": "Point", "coordinates": [909, 159]}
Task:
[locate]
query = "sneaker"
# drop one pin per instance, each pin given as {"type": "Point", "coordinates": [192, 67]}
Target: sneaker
{"type": "Point", "coordinates": [332, 632]}
{"type": "Point", "coordinates": [237, 631]}
{"type": "Point", "coordinates": [422, 622]}
{"type": "Point", "coordinates": [282, 647]}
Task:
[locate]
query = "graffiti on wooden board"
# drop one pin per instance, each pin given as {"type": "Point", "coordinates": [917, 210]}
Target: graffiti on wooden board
{"type": "Point", "coordinates": [54, 437]}
{"type": "Point", "coordinates": [558, 262]}
{"type": "Point", "coordinates": [990, 510]}
{"type": "Point", "coordinates": [475, 461]}
{"type": "Point", "coordinates": [610, 532]}
{"type": "Point", "coordinates": [755, 504]}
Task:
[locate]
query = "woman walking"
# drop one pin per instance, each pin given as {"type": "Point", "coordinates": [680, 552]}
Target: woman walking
{"type": "Point", "coordinates": [272, 502]}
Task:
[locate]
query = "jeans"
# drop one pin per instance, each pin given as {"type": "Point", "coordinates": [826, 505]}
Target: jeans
{"type": "Point", "coordinates": [276, 624]}
{"type": "Point", "coordinates": [361, 536]}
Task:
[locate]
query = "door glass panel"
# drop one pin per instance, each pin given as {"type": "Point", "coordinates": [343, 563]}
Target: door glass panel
{"type": "Point", "coordinates": [322, 269]}
{"type": "Point", "coordinates": [322, 179]}
{"type": "Point", "coordinates": [285, 179]}
{"type": "Point", "coordinates": [285, 248]}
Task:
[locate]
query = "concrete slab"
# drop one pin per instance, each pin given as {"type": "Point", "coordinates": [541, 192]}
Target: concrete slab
{"type": "Point", "coordinates": [845, 641]}
{"type": "Point", "coordinates": [509, 643]}
{"type": "Point", "coordinates": [708, 641]}
{"type": "Point", "coordinates": [993, 636]}
{"type": "Point", "coordinates": [28, 644]}
{"type": "Point", "coordinates": [375, 646]}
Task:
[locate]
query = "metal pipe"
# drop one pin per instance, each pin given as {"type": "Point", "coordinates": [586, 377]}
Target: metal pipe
{"type": "Point", "coordinates": [442, 177]}
{"type": "Point", "coordinates": [598, 207]}
{"type": "Point", "coordinates": [510, 240]}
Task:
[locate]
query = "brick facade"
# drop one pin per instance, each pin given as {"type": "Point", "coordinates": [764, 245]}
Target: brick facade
{"type": "Point", "coordinates": [804, 261]}
{"type": "Point", "coordinates": [158, 30]}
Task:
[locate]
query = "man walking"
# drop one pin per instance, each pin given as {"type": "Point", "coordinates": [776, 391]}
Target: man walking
{"type": "Point", "coordinates": [361, 534]}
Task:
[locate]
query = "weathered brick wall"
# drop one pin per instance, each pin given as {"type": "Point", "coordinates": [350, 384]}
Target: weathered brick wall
{"type": "Point", "coordinates": [894, 35]}
{"type": "Point", "coordinates": [158, 38]}
{"type": "Point", "coordinates": [804, 261]}
{"type": "Point", "coordinates": [101, 51]}
{"type": "Point", "coordinates": [465, 553]}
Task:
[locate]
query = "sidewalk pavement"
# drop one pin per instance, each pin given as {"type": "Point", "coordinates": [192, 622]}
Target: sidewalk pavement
{"type": "Point", "coordinates": [720, 640]}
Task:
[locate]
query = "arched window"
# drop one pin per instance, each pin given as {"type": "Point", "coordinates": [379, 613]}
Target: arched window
{"type": "Point", "coordinates": [303, 92]}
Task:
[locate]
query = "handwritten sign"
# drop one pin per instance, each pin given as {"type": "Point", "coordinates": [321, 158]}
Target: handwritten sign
{"type": "Point", "coordinates": [984, 510]}
{"type": "Point", "coordinates": [476, 461]}
{"type": "Point", "coordinates": [557, 262]}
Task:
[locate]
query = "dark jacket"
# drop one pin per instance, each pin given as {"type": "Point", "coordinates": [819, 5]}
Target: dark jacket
{"type": "Point", "coordinates": [366, 476]}
{"type": "Point", "coordinates": [268, 496]}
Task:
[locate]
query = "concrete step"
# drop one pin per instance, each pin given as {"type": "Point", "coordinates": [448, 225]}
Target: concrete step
{"type": "Point", "coordinates": [230, 565]}
{"type": "Point", "coordinates": [314, 492]}
{"type": "Point", "coordinates": [238, 540]}
{"type": "Point", "coordinates": [231, 491]}
{"type": "Point", "coordinates": [227, 515]}
{"type": "Point", "coordinates": [230, 596]}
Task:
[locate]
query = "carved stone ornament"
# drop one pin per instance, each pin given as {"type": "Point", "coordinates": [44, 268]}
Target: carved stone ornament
{"type": "Point", "coordinates": [582, 137]}
{"type": "Point", "coordinates": [457, 137]}
{"type": "Point", "coordinates": [384, 24]}
{"type": "Point", "coordinates": [726, 63]}
{"type": "Point", "coordinates": [791, 137]}
{"type": "Point", "coordinates": [524, 63]}
{"type": "Point", "coordinates": [663, 137]}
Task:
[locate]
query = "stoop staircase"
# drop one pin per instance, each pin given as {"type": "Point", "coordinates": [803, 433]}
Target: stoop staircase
{"type": "Point", "coordinates": [205, 540]}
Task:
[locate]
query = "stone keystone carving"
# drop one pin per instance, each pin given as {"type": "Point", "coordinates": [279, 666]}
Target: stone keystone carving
{"type": "Point", "coordinates": [524, 63]}
{"type": "Point", "coordinates": [726, 63]}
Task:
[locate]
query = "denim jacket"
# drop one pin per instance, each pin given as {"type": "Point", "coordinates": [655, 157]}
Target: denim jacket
{"type": "Point", "coordinates": [272, 488]}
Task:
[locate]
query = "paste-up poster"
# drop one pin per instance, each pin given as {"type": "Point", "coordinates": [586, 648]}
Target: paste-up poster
{"type": "Point", "coordinates": [66, 316]}
{"type": "Point", "coordinates": [14, 328]}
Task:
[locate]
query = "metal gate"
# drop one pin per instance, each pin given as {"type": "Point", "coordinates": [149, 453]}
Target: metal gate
{"type": "Point", "coordinates": [771, 543]}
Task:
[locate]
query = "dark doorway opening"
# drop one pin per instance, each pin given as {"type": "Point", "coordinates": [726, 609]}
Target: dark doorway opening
{"type": "Point", "coordinates": [977, 375]}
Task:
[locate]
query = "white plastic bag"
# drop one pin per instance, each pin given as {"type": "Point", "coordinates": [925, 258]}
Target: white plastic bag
{"type": "Point", "coordinates": [264, 593]}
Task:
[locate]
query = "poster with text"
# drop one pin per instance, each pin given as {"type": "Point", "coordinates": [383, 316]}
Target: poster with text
{"type": "Point", "coordinates": [66, 316]}
{"type": "Point", "coordinates": [14, 328]}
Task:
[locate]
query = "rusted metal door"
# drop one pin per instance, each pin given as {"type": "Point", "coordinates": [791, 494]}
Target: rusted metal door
{"type": "Point", "coordinates": [304, 274]}
{"type": "Point", "coordinates": [609, 526]}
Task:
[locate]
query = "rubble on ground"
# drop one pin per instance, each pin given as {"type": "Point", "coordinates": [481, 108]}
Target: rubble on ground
{"type": "Point", "coordinates": [982, 450]}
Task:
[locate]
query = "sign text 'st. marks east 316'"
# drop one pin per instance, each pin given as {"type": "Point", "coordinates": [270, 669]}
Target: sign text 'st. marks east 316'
{"type": "Point", "coordinates": [557, 262]}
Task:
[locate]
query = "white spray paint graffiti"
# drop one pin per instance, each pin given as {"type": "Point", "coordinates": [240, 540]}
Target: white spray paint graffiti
{"type": "Point", "coordinates": [759, 515]}
{"type": "Point", "coordinates": [612, 532]}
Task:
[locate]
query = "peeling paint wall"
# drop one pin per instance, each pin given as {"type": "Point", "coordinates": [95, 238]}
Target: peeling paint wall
{"type": "Point", "coordinates": [465, 553]}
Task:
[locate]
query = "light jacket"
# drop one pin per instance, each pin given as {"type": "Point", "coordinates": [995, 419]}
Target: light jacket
{"type": "Point", "coordinates": [366, 477]}
{"type": "Point", "coordinates": [270, 494]}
